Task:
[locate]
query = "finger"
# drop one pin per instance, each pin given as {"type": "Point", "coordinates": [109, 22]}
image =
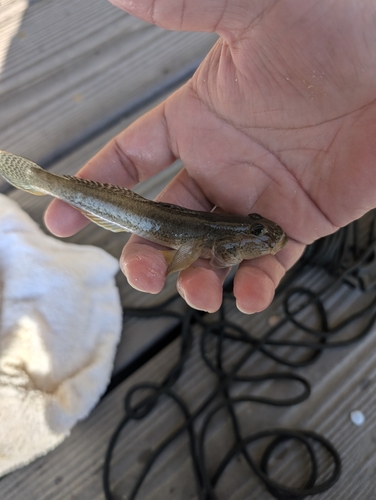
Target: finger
{"type": "Point", "coordinates": [137, 153]}
{"type": "Point", "coordinates": [63, 220]}
{"type": "Point", "coordinates": [145, 269]}
{"type": "Point", "coordinates": [256, 280]}
{"type": "Point", "coordinates": [201, 286]}
{"type": "Point", "coordinates": [196, 15]}
{"type": "Point", "coordinates": [143, 265]}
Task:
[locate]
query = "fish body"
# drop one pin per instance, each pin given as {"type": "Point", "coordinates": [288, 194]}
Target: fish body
{"type": "Point", "coordinates": [225, 239]}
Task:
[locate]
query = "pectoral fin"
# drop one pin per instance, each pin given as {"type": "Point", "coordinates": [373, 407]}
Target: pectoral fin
{"type": "Point", "coordinates": [218, 263]}
{"type": "Point", "coordinates": [225, 253]}
{"type": "Point", "coordinates": [183, 257]}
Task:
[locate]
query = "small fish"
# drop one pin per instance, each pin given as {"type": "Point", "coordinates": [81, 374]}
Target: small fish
{"type": "Point", "coordinates": [225, 239]}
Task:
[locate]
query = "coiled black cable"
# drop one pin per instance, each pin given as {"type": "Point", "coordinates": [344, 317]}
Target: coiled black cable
{"type": "Point", "coordinates": [345, 257]}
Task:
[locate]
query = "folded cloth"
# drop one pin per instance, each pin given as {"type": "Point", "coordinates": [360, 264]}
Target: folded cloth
{"type": "Point", "coordinates": [60, 322]}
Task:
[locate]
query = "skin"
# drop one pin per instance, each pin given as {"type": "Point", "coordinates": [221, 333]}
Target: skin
{"type": "Point", "coordinates": [279, 119]}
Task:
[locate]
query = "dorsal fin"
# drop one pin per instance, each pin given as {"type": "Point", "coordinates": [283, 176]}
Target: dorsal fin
{"type": "Point", "coordinates": [101, 185]}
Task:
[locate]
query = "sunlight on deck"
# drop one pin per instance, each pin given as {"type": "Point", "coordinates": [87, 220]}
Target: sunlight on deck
{"type": "Point", "coordinates": [11, 18]}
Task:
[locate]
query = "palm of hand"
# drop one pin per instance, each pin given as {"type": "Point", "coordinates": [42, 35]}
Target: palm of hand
{"type": "Point", "coordinates": [288, 135]}
{"type": "Point", "coordinates": [280, 121]}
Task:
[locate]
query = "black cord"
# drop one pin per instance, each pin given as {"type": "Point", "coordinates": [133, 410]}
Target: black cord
{"type": "Point", "coordinates": [344, 256]}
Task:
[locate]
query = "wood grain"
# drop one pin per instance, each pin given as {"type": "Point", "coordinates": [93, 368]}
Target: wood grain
{"type": "Point", "coordinates": [72, 63]}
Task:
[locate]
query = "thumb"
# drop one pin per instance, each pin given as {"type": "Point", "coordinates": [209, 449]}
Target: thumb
{"type": "Point", "coordinates": [220, 16]}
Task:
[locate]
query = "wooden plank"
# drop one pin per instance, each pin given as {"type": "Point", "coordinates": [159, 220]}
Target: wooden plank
{"type": "Point", "coordinates": [342, 381]}
{"type": "Point", "coordinates": [73, 63]}
{"type": "Point", "coordinates": [11, 13]}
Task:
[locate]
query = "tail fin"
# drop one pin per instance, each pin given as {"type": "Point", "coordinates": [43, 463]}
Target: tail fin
{"type": "Point", "coordinates": [20, 172]}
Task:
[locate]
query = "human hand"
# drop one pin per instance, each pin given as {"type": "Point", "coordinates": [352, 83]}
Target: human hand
{"type": "Point", "coordinates": [279, 119]}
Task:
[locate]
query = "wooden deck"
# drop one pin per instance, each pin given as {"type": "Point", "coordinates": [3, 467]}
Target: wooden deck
{"type": "Point", "coordinates": [72, 75]}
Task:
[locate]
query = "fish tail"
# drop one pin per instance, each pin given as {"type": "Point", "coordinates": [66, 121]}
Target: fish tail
{"type": "Point", "coordinates": [22, 173]}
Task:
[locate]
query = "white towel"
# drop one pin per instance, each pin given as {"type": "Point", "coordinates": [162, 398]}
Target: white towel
{"type": "Point", "coordinates": [60, 322]}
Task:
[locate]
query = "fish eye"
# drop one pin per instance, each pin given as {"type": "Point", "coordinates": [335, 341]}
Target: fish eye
{"type": "Point", "coordinates": [258, 229]}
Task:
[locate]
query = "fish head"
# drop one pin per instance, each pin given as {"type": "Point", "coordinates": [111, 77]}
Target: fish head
{"type": "Point", "coordinates": [260, 237]}
{"type": "Point", "coordinates": [265, 237]}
